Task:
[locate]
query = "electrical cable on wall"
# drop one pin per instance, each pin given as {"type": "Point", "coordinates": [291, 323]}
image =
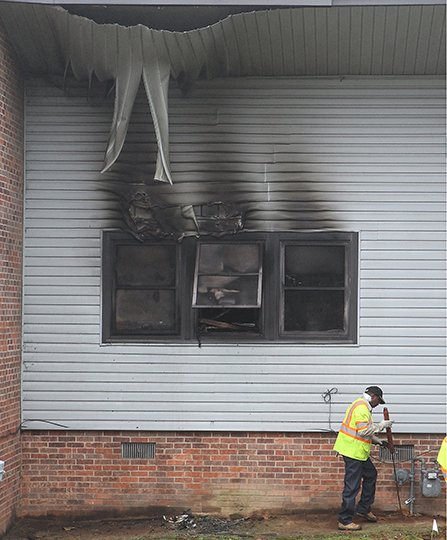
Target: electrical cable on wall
{"type": "Point", "coordinates": [327, 397]}
{"type": "Point", "coordinates": [44, 421]}
{"type": "Point", "coordinates": [21, 425]}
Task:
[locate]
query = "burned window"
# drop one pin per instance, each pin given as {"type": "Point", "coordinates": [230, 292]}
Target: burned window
{"type": "Point", "coordinates": [228, 287]}
{"type": "Point", "coordinates": [296, 287]}
{"type": "Point", "coordinates": [315, 289]}
{"type": "Point", "coordinates": [142, 296]}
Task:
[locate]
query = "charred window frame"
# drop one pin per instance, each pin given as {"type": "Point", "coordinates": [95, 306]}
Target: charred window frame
{"type": "Point", "coordinates": [306, 289]}
{"type": "Point", "coordinates": [142, 290]}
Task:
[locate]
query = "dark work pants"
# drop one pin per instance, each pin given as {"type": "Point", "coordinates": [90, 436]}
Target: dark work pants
{"type": "Point", "coordinates": [355, 472]}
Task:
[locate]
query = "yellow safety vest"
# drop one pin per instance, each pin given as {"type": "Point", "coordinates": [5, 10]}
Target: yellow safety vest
{"type": "Point", "coordinates": [350, 441]}
{"type": "Point", "coordinates": [442, 457]}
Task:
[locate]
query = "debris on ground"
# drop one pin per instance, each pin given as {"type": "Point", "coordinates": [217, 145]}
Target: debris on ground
{"type": "Point", "coordinates": [203, 524]}
{"type": "Point", "coordinates": [213, 524]}
{"type": "Point", "coordinates": [182, 521]}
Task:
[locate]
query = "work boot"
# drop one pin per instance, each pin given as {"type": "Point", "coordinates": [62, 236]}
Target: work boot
{"type": "Point", "coordinates": [369, 516]}
{"type": "Point", "coordinates": [349, 526]}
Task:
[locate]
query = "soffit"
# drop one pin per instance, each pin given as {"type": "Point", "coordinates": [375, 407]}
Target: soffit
{"type": "Point", "coordinates": [368, 40]}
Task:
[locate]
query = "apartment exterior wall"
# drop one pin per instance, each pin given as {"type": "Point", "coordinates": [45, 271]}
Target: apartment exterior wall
{"type": "Point", "coordinates": [360, 154]}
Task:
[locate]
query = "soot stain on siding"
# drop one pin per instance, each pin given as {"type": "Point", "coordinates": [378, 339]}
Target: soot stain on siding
{"type": "Point", "coordinates": [215, 159]}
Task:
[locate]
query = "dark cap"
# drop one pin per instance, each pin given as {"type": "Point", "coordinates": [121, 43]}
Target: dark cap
{"type": "Point", "coordinates": [376, 391]}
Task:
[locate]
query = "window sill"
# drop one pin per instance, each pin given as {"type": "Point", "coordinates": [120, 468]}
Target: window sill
{"type": "Point", "coordinates": [222, 340]}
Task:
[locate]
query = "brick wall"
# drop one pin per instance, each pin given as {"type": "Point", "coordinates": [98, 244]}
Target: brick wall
{"type": "Point", "coordinates": [11, 222]}
{"type": "Point", "coordinates": [225, 473]}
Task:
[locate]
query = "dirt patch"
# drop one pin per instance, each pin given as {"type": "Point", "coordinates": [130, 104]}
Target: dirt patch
{"type": "Point", "coordinates": [259, 527]}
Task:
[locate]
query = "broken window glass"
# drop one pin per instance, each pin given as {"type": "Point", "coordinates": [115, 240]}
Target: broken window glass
{"type": "Point", "coordinates": [228, 275]}
{"type": "Point", "coordinates": [229, 320]}
{"type": "Point", "coordinates": [228, 287]}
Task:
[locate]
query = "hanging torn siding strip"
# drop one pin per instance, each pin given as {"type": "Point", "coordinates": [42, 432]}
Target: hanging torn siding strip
{"type": "Point", "coordinates": [281, 42]}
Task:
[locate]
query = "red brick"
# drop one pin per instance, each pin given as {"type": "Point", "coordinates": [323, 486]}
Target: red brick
{"type": "Point", "coordinates": [193, 478]}
{"type": "Point", "coordinates": [11, 224]}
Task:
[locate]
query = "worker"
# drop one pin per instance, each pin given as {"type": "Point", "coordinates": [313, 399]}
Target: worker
{"type": "Point", "coordinates": [354, 440]}
{"type": "Point", "coordinates": [442, 458]}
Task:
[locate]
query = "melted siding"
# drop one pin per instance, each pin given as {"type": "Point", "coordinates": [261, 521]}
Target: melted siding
{"type": "Point", "coordinates": [356, 154]}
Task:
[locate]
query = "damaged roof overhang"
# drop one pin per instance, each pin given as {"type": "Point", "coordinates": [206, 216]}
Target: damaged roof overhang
{"type": "Point", "coordinates": [304, 41]}
{"type": "Point", "coordinates": [191, 14]}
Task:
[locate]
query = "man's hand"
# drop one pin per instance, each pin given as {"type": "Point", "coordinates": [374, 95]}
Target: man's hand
{"type": "Point", "coordinates": [384, 424]}
{"type": "Point", "coordinates": [380, 442]}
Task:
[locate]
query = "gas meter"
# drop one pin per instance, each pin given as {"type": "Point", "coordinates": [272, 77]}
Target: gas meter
{"type": "Point", "coordinates": [431, 483]}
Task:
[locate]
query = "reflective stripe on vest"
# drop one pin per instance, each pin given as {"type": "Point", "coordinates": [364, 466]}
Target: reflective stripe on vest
{"type": "Point", "coordinates": [354, 432]}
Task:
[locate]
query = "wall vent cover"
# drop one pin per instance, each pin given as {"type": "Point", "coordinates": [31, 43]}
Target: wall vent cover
{"type": "Point", "coordinates": [133, 450]}
{"type": "Point", "coordinates": [403, 452]}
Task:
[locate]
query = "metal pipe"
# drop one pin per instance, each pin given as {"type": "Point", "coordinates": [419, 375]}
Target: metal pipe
{"type": "Point", "coordinates": [392, 450]}
{"type": "Point", "coordinates": [411, 499]}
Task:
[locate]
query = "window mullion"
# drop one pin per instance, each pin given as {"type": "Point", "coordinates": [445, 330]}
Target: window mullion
{"type": "Point", "coordinates": [272, 289]}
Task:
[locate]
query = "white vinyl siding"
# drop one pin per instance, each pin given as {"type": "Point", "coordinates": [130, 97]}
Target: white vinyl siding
{"type": "Point", "coordinates": [352, 154]}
